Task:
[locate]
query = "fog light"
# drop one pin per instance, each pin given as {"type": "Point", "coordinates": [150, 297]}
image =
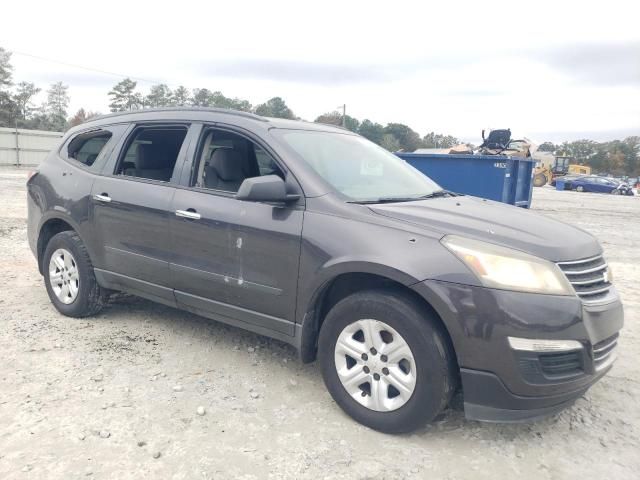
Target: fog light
{"type": "Point", "coordinates": [538, 345]}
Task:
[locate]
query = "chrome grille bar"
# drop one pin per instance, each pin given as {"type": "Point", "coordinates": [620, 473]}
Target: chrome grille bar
{"type": "Point", "coordinates": [577, 262]}
{"type": "Point", "coordinates": [588, 277]}
{"type": "Point", "coordinates": [601, 348]}
{"type": "Point", "coordinates": [584, 272]}
{"type": "Point", "coordinates": [604, 352]}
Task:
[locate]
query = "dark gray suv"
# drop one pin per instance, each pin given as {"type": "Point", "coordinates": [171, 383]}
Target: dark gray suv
{"type": "Point", "coordinates": [315, 236]}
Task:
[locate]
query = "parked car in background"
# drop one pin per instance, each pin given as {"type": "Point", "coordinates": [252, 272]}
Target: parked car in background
{"type": "Point", "coordinates": [315, 236]}
{"type": "Point", "coordinates": [567, 179]}
{"type": "Point", "coordinates": [599, 185]}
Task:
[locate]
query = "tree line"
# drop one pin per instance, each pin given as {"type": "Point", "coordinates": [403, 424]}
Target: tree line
{"type": "Point", "coordinates": [17, 109]}
{"type": "Point", "coordinates": [16, 101]}
{"type": "Point", "coordinates": [394, 136]}
{"type": "Point", "coordinates": [618, 157]}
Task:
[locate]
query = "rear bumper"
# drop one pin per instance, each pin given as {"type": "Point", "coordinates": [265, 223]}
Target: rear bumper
{"type": "Point", "coordinates": [33, 219]}
{"type": "Point", "coordinates": [501, 384]}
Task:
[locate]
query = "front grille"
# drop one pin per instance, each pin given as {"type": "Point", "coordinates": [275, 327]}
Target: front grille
{"type": "Point", "coordinates": [561, 363]}
{"type": "Point", "coordinates": [589, 277]}
{"type": "Point", "coordinates": [604, 352]}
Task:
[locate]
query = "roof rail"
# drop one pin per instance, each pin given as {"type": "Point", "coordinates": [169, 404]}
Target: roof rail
{"type": "Point", "coordinates": [227, 111]}
{"type": "Point", "coordinates": [332, 125]}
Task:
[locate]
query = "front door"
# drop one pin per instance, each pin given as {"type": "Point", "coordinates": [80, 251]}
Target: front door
{"type": "Point", "coordinates": [232, 260]}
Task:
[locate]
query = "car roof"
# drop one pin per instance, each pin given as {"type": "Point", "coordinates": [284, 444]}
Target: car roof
{"type": "Point", "coordinates": [595, 177]}
{"type": "Point", "coordinates": [209, 114]}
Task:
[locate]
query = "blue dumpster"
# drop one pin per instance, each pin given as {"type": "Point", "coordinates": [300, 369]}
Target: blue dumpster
{"type": "Point", "coordinates": [495, 177]}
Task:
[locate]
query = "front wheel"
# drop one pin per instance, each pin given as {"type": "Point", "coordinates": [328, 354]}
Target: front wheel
{"type": "Point", "coordinates": [69, 278]}
{"type": "Point", "coordinates": [386, 360]}
{"type": "Point", "coordinates": [539, 180]}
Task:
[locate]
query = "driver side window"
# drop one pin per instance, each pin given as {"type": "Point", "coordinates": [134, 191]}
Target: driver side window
{"type": "Point", "coordinates": [226, 159]}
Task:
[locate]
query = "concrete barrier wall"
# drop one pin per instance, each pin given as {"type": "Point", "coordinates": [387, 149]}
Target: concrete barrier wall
{"type": "Point", "coordinates": [26, 147]}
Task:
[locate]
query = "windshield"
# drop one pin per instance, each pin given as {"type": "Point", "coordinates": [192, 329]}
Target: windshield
{"type": "Point", "coordinates": [358, 168]}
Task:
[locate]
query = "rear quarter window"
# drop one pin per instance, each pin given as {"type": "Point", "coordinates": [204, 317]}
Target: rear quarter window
{"type": "Point", "coordinates": [85, 148]}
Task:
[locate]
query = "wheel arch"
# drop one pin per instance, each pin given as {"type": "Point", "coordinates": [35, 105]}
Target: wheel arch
{"type": "Point", "coordinates": [340, 286]}
{"type": "Point", "coordinates": [50, 227]}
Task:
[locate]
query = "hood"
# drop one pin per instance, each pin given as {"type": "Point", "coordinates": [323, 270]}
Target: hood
{"type": "Point", "coordinates": [497, 223]}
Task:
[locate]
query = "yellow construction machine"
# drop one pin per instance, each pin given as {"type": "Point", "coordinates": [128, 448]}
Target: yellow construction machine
{"type": "Point", "coordinates": [546, 173]}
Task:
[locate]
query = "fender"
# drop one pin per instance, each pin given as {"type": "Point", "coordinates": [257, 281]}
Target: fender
{"type": "Point", "coordinates": [58, 213]}
{"type": "Point", "coordinates": [307, 312]}
{"type": "Point", "coordinates": [308, 294]}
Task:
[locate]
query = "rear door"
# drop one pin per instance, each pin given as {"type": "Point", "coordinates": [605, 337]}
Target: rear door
{"type": "Point", "coordinates": [235, 261]}
{"type": "Point", "coordinates": [84, 155]}
{"type": "Point", "coordinates": [130, 210]}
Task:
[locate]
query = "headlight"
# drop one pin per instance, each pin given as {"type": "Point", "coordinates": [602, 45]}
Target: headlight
{"type": "Point", "coordinates": [507, 269]}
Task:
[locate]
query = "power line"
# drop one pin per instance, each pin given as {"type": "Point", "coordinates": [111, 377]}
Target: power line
{"type": "Point", "coordinates": [90, 69]}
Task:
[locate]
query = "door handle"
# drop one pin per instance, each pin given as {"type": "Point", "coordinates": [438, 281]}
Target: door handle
{"type": "Point", "coordinates": [103, 197]}
{"type": "Point", "coordinates": [190, 213]}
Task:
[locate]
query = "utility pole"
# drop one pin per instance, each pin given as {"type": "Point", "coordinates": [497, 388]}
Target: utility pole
{"type": "Point", "coordinates": [344, 115]}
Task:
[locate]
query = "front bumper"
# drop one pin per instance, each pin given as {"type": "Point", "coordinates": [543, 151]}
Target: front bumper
{"type": "Point", "coordinates": [488, 400]}
{"type": "Point", "coordinates": [504, 385]}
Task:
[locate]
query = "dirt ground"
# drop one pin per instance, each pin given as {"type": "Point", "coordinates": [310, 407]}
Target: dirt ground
{"type": "Point", "coordinates": [117, 396]}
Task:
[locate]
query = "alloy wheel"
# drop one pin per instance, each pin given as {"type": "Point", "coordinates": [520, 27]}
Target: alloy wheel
{"type": "Point", "coordinates": [64, 276]}
{"type": "Point", "coordinates": [375, 365]}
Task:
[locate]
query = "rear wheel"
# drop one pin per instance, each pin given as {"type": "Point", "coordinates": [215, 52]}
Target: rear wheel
{"type": "Point", "coordinates": [615, 191]}
{"type": "Point", "coordinates": [69, 278]}
{"type": "Point", "coordinates": [579, 188]}
{"type": "Point", "coordinates": [386, 360]}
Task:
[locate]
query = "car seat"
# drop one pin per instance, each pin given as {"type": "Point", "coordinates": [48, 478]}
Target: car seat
{"type": "Point", "coordinates": [152, 161]}
{"type": "Point", "coordinates": [224, 170]}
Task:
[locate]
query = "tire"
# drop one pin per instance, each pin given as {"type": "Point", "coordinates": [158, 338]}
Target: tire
{"type": "Point", "coordinates": [539, 180]}
{"type": "Point", "coordinates": [579, 188]}
{"type": "Point", "coordinates": [83, 297]}
{"type": "Point", "coordinates": [429, 361]}
{"type": "Point", "coordinates": [615, 191]}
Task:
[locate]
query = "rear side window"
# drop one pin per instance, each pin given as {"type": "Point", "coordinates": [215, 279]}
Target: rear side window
{"type": "Point", "coordinates": [152, 152]}
{"type": "Point", "coordinates": [86, 147]}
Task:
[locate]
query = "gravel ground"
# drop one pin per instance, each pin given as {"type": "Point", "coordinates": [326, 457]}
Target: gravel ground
{"type": "Point", "coordinates": [145, 391]}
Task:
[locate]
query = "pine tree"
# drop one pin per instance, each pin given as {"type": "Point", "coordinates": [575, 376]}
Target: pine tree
{"type": "Point", "coordinates": [124, 97]}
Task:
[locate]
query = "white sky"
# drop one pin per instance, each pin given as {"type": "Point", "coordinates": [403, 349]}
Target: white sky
{"type": "Point", "coordinates": [549, 70]}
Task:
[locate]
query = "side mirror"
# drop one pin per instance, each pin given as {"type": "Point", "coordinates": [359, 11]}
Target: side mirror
{"type": "Point", "coordinates": [270, 188]}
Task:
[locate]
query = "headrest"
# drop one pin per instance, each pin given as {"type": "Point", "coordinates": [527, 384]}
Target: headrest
{"type": "Point", "coordinates": [228, 164]}
{"type": "Point", "coordinates": [152, 156]}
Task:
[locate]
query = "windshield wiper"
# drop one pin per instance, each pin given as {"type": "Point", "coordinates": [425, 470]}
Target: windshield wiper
{"type": "Point", "coordinates": [438, 193]}
{"type": "Point", "coordinates": [386, 200]}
